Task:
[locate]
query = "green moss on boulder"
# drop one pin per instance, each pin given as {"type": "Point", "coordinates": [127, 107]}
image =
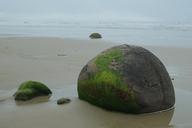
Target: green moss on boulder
{"type": "Point", "coordinates": [105, 86]}
{"type": "Point", "coordinates": [127, 79]}
{"type": "Point", "coordinates": [95, 36]}
{"type": "Point", "coordinates": [31, 89]}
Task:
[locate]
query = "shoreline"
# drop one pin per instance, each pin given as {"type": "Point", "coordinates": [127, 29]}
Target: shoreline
{"type": "Point", "coordinates": [117, 42]}
{"type": "Point", "coordinates": [57, 63]}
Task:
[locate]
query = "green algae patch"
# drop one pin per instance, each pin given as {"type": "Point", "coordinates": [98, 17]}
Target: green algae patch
{"type": "Point", "coordinates": [31, 89]}
{"type": "Point", "coordinates": [105, 88]}
{"type": "Point", "coordinates": [103, 61]}
{"type": "Point", "coordinates": [107, 94]}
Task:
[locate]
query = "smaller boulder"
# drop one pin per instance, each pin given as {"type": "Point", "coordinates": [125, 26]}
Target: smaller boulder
{"type": "Point", "coordinates": [95, 36]}
{"type": "Point", "coordinates": [31, 89]}
{"type": "Point", "coordinates": [63, 101]}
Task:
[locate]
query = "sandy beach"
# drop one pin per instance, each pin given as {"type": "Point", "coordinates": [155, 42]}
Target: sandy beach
{"type": "Point", "coordinates": [57, 63]}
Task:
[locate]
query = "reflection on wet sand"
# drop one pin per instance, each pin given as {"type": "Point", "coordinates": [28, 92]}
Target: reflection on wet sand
{"type": "Point", "coordinates": [34, 100]}
{"type": "Point", "coordinates": [110, 119]}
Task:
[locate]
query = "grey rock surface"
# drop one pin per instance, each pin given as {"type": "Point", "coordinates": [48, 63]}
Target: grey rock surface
{"type": "Point", "coordinates": [63, 101]}
{"type": "Point", "coordinates": [136, 81]}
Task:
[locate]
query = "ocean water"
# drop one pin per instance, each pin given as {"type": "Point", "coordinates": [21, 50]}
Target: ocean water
{"type": "Point", "coordinates": [122, 31]}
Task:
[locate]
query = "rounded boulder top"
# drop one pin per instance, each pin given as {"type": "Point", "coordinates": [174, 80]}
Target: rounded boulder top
{"type": "Point", "coordinates": [128, 79]}
{"type": "Point", "coordinates": [31, 89]}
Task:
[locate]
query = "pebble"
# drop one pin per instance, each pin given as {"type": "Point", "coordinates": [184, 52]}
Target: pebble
{"type": "Point", "coordinates": [63, 101]}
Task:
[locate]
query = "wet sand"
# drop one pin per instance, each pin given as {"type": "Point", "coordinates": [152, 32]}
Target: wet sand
{"type": "Point", "coordinates": [57, 63]}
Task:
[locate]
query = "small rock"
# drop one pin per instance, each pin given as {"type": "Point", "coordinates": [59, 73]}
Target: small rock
{"type": "Point", "coordinates": [95, 36]}
{"type": "Point", "coordinates": [63, 101]}
{"type": "Point", "coordinates": [172, 79]}
{"type": "Point", "coordinates": [61, 55]}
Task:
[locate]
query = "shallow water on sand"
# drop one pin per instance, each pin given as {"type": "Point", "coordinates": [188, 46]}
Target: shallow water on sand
{"type": "Point", "coordinates": [44, 113]}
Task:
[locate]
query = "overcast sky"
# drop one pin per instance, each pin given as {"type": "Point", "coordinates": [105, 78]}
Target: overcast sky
{"type": "Point", "coordinates": [180, 10]}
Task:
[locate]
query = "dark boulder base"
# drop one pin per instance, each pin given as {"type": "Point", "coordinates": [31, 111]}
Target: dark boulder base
{"type": "Point", "coordinates": [95, 36]}
{"type": "Point", "coordinates": [127, 79]}
{"type": "Point", "coordinates": [31, 89]}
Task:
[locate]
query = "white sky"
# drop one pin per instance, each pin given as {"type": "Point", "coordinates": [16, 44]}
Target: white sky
{"type": "Point", "coordinates": [132, 9]}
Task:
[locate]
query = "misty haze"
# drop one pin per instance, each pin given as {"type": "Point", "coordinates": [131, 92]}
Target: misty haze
{"type": "Point", "coordinates": [95, 63]}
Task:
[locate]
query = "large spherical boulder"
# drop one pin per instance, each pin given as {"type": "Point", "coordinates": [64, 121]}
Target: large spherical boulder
{"type": "Point", "coordinates": [95, 36]}
{"type": "Point", "coordinates": [128, 79]}
{"type": "Point", "coordinates": [31, 89]}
